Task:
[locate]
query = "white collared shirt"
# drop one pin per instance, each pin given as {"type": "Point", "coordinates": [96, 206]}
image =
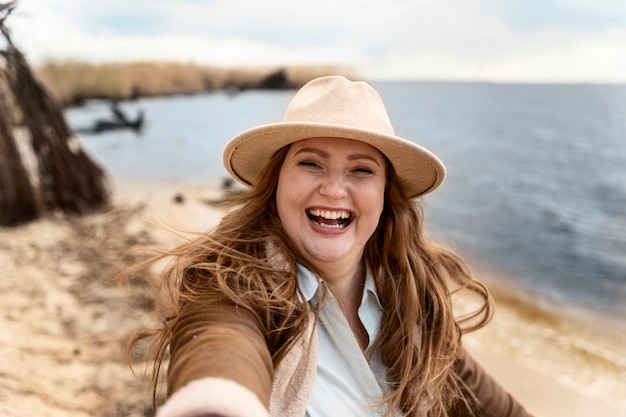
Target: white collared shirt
{"type": "Point", "coordinates": [346, 383]}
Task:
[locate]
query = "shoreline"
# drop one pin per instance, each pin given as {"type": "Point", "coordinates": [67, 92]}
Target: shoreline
{"type": "Point", "coordinates": [66, 323]}
{"type": "Point", "coordinates": [582, 357]}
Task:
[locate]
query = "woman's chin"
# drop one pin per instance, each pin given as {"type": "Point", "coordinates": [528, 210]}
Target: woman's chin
{"type": "Point", "coordinates": [330, 255]}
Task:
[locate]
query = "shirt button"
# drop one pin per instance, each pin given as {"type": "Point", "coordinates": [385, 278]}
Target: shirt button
{"type": "Point", "coordinates": [381, 410]}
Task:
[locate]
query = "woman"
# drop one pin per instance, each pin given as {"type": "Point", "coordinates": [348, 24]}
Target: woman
{"type": "Point", "coordinates": [319, 294]}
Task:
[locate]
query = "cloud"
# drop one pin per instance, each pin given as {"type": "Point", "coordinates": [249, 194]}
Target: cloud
{"type": "Point", "coordinates": [444, 39]}
{"type": "Point", "coordinates": [558, 56]}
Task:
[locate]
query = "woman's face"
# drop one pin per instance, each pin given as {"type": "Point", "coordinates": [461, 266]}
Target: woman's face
{"type": "Point", "coordinates": [330, 197]}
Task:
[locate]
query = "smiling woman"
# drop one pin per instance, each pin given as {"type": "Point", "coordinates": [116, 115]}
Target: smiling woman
{"type": "Point", "coordinates": [319, 293]}
{"type": "Point", "coordinates": [329, 199]}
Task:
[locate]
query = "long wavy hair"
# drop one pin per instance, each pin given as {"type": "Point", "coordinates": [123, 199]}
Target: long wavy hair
{"type": "Point", "coordinates": [419, 336]}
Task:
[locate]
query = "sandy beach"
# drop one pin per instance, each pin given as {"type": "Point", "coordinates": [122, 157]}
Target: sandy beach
{"type": "Point", "coordinates": [66, 322]}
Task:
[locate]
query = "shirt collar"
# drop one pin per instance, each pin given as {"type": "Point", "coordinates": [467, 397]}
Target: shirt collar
{"type": "Point", "coordinates": [309, 285]}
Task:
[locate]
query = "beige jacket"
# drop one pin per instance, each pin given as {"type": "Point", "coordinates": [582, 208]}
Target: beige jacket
{"type": "Point", "coordinates": [221, 366]}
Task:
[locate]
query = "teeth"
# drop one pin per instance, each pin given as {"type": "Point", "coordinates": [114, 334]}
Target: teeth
{"type": "Point", "coordinates": [331, 226]}
{"type": "Point", "coordinates": [331, 215]}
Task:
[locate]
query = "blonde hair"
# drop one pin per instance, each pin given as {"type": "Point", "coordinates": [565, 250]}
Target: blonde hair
{"type": "Point", "coordinates": [249, 260]}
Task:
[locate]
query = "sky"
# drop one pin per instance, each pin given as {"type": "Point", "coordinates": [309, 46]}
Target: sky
{"type": "Point", "coordinates": [458, 40]}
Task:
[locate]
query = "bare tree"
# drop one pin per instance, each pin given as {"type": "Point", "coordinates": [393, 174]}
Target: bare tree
{"type": "Point", "coordinates": [68, 179]}
{"type": "Point", "coordinates": [18, 202]}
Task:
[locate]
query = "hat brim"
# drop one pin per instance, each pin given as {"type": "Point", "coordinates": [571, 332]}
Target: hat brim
{"type": "Point", "coordinates": [418, 169]}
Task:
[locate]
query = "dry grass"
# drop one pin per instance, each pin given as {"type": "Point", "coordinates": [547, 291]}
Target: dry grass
{"type": "Point", "coordinates": [73, 81]}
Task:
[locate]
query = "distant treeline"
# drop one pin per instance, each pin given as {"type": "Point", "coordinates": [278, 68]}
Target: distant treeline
{"type": "Point", "coordinates": [74, 82]}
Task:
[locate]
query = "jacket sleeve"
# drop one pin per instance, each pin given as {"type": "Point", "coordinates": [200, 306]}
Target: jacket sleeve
{"type": "Point", "coordinates": [219, 364]}
{"type": "Point", "coordinates": [486, 398]}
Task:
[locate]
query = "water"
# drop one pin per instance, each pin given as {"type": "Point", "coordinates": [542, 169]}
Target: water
{"type": "Point", "coordinates": [536, 185]}
{"type": "Point", "coordinates": [537, 181]}
{"type": "Point", "coordinates": [184, 136]}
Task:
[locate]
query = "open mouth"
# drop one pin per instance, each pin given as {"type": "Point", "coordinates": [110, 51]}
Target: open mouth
{"type": "Point", "coordinates": [330, 219]}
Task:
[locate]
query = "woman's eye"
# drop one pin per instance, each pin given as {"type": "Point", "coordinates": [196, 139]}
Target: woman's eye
{"type": "Point", "coordinates": [309, 164]}
{"type": "Point", "coordinates": [362, 171]}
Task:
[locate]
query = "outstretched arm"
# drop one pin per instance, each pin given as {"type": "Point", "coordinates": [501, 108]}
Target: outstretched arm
{"type": "Point", "coordinates": [219, 366]}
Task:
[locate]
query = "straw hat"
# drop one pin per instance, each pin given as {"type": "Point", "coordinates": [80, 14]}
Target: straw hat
{"type": "Point", "coordinates": [337, 108]}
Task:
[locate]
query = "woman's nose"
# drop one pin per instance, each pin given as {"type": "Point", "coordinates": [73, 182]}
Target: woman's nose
{"type": "Point", "coordinates": [334, 187]}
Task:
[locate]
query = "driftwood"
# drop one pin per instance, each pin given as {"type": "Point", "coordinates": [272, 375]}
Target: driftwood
{"type": "Point", "coordinates": [118, 121]}
{"type": "Point", "coordinates": [68, 179]}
